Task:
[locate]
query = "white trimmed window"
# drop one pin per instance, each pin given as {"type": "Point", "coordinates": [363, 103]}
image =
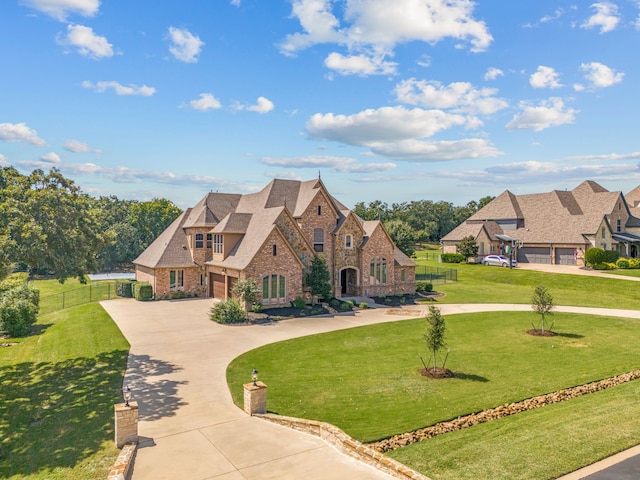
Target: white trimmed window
{"type": "Point", "coordinates": [176, 280]}
{"type": "Point", "coordinates": [274, 289]}
{"type": "Point", "coordinates": [199, 240]}
{"type": "Point", "coordinates": [348, 241]}
{"type": "Point", "coordinates": [378, 271]}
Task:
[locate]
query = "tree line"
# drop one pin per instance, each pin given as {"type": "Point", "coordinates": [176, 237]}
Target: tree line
{"type": "Point", "coordinates": [49, 226]}
{"type": "Point", "coordinates": [419, 221]}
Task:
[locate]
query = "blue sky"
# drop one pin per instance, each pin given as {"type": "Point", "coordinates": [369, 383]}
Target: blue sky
{"type": "Point", "coordinates": [395, 100]}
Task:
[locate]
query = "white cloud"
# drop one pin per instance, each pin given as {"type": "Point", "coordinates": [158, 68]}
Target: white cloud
{"type": "Point", "coordinates": [235, 3]}
{"type": "Point", "coordinates": [120, 89]}
{"type": "Point", "coordinates": [78, 147]}
{"type": "Point", "coordinates": [436, 151]}
{"type": "Point", "coordinates": [493, 73]}
{"type": "Point", "coordinates": [459, 96]}
{"type": "Point", "coordinates": [549, 113]}
{"type": "Point", "coordinates": [3, 161]}
{"type": "Point", "coordinates": [206, 102]}
{"type": "Point", "coordinates": [545, 77]}
{"type": "Point", "coordinates": [88, 43]}
{"type": "Point", "coordinates": [185, 46]}
{"type": "Point", "coordinates": [600, 75]}
{"type": "Point", "coordinates": [362, 64]}
{"type": "Point", "coordinates": [386, 124]}
{"type": "Point", "coordinates": [60, 9]}
{"type": "Point", "coordinates": [51, 157]}
{"type": "Point", "coordinates": [378, 26]}
{"type": "Point", "coordinates": [263, 105]}
{"type": "Point", "coordinates": [606, 17]}
{"type": "Point", "coordinates": [19, 132]}
{"type": "Point", "coordinates": [338, 164]}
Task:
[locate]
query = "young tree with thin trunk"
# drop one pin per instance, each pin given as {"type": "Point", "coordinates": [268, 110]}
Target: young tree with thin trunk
{"type": "Point", "coordinates": [435, 334]}
{"type": "Point", "coordinates": [542, 304]}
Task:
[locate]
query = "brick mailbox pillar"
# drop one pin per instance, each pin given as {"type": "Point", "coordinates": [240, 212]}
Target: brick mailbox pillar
{"type": "Point", "coordinates": [255, 398]}
{"type": "Point", "coordinates": [126, 423]}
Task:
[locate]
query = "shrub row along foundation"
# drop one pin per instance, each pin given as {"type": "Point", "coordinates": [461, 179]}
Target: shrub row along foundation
{"type": "Point", "coordinates": [402, 440]}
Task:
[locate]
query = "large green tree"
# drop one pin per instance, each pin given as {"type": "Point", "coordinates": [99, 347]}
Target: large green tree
{"type": "Point", "coordinates": [51, 223]}
{"type": "Point", "coordinates": [402, 235]}
{"type": "Point", "coordinates": [152, 217]}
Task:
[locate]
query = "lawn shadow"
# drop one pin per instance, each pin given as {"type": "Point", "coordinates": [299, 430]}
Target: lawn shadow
{"type": "Point", "coordinates": [569, 335]}
{"type": "Point", "coordinates": [156, 397]}
{"type": "Point", "coordinates": [56, 414]}
{"type": "Point", "coordinates": [470, 376]}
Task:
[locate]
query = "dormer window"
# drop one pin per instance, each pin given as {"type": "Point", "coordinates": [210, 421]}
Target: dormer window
{"type": "Point", "coordinates": [218, 243]}
{"type": "Point", "coordinates": [348, 241]}
{"type": "Point", "coordinates": [199, 240]}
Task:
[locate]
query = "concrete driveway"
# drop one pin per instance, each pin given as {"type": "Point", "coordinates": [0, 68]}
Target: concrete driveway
{"type": "Point", "coordinates": [189, 427]}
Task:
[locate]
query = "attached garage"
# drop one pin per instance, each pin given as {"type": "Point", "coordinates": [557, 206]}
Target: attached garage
{"type": "Point", "coordinates": [216, 286]}
{"type": "Point", "coordinates": [565, 256]}
{"type": "Point", "coordinates": [534, 255]}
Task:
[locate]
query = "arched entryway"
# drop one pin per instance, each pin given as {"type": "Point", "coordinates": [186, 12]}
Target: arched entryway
{"type": "Point", "coordinates": [349, 285]}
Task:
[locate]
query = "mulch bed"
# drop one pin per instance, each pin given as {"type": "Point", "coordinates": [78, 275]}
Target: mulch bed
{"type": "Point", "coordinates": [437, 372]}
{"type": "Point", "coordinates": [539, 333]}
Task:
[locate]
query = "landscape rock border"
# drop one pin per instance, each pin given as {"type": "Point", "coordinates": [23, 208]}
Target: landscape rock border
{"type": "Point", "coordinates": [404, 439]}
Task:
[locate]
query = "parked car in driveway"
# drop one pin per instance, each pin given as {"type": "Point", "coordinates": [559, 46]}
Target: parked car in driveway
{"type": "Point", "coordinates": [498, 260]}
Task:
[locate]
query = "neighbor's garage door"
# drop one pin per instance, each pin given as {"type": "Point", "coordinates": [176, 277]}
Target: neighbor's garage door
{"type": "Point", "coordinates": [217, 282]}
{"type": "Point", "coordinates": [534, 255]}
{"type": "Point", "coordinates": [565, 256]}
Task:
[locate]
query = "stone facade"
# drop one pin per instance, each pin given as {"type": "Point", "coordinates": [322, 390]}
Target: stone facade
{"type": "Point", "coordinates": [126, 423]}
{"type": "Point", "coordinates": [377, 248]}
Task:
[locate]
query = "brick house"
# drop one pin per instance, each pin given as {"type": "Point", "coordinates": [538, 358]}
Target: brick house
{"type": "Point", "coordinates": [555, 227]}
{"type": "Point", "coordinates": [272, 236]}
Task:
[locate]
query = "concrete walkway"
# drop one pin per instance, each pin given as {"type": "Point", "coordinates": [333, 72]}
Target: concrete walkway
{"type": "Point", "coordinates": [189, 426]}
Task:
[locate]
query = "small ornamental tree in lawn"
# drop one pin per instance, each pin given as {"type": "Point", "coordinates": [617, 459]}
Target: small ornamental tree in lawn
{"type": "Point", "coordinates": [434, 337]}
{"type": "Point", "coordinates": [318, 279]}
{"type": "Point", "coordinates": [542, 304]}
{"type": "Point", "coordinates": [468, 247]}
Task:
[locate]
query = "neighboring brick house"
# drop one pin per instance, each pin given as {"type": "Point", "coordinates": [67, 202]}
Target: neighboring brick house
{"type": "Point", "coordinates": [272, 236]}
{"type": "Point", "coordinates": [555, 227]}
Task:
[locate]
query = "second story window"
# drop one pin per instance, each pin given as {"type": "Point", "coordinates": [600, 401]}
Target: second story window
{"type": "Point", "coordinates": [209, 240]}
{"type": "Point", "coordinates": [318, 239]}
{"type": "Point", "coordinates": [618, 225]}
{"type": "Point", "coordinates": [275, 250]}
{"type": "Point", "coordinates": [348, 241]}
{"type": "Point", "coordinates": [319, 209]}
{"type": "Point", "coordinates": [199, 240]}
{"type": "Point", "coordinates": [217, 243]}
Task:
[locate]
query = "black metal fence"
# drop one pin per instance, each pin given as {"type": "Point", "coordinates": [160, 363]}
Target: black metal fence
{"type": "Point", "coordinates": [94, 292]}
{"type": "Point", "coordinates": [436, 274]}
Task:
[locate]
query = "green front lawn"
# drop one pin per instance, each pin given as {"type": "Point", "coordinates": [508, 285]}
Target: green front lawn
{"type": "Point", "coordinates": [483, 284]}
{"type": "Point", "coordinates": [366, 381]}
{"type": "Point", "coordinates": [58, 391]}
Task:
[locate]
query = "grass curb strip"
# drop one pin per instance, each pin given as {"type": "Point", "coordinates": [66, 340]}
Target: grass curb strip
{"type": "Point", "coordinates": [402, 440]}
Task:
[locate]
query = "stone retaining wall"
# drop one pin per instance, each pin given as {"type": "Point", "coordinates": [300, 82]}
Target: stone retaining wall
{"type": "Point", "coordinates": [343, 442]}
{"type": "Point", "coordinates": [402, 440]}
{"type": "Point", "coordinates": [122, 467]}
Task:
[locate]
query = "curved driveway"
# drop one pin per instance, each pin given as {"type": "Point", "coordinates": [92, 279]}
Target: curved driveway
{"type": "Point", "coordinates": [189, 426]}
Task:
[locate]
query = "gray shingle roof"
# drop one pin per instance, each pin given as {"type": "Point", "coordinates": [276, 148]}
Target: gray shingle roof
{"type": "Point", "coordinates": [553, 217]}
{"type": "Point", "coordinates": [170, 248]}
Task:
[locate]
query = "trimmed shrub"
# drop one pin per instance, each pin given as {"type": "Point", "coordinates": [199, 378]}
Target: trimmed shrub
{"type": "Point", "coordinates": [605, 266]}
{"type": "Point", "coordinates": [18, 310]}
{"type": "Point", "coordinates": [634, 262]}
{"type": "Point", "coordinates": [611, 256]}
{"type": "Point", "coordinates": [424, 286]}
{"type": "Point", "coordinates": [622, 263]}
{"type": "Point", "coordinates": [124, 288]}
{"type": "Point", "coordinates": [299, 302]}
{"type": "Point", "coordinates": [142, 291]}
{"type": "Point", "coordinates": [229, 311]}
{"type": "Point", "coordinates": [452, 258]}
{"type": "Point", "coordinates": [594, 256]}
{"type": "Point", "coordinates": [364, 305]}
{"type": "Point", "coordinates": [256, 307]}
{"type": "Point", "coordinates": [346, 306]}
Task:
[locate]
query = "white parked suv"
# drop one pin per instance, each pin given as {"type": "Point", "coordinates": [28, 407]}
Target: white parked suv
{"type": "Point", "coordinates": [498, 260]}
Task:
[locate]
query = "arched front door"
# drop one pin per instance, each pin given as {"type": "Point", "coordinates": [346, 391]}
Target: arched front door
{"type": "Point", "coordinates": [349, 282]}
